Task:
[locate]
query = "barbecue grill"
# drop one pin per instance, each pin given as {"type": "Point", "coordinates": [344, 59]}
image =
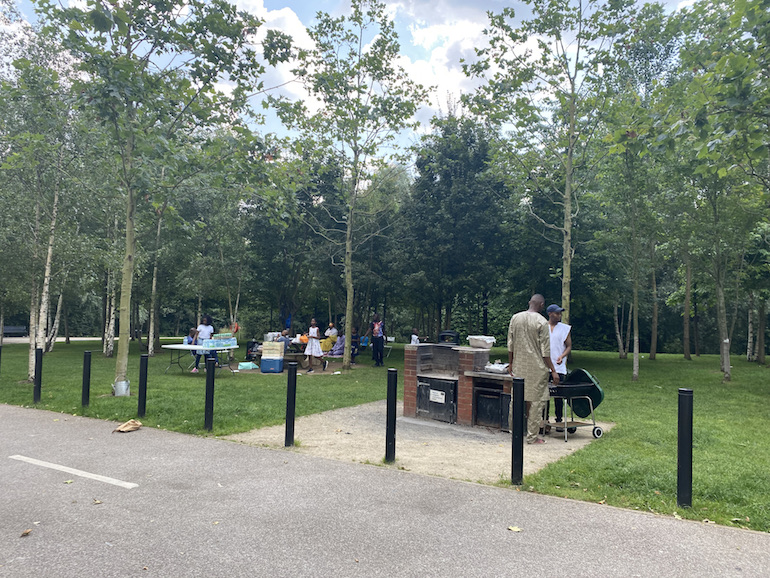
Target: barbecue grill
{"type": "Point", "coordinates": [581, 392]}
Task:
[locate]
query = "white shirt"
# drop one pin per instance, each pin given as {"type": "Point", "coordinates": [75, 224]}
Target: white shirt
{"type": "Point", "coordinates": [331, 332]}
{"type": "Point", "coordinates": [559, 335]}
{"type": "Point", "coordinates": [204, 332]}
{"type": "Point", "coordinates": [415, 340]}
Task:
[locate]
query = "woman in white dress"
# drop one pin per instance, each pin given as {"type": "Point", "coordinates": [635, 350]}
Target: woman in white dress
{"type": "Point", "coordinates": [313, 347]}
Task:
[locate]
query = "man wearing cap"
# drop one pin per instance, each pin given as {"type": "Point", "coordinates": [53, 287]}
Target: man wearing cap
{"type": "Point", "coordinates": [529, 357]}
{"type": "Point", "coordinates": [561, 345]}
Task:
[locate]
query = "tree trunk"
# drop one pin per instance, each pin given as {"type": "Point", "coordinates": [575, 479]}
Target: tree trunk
{"type": "Point", "coordinates": [619, 336]}
{"type": "Point", "coordinates": [349, 288]}
{"type": "Point", "coordinates": [65, 318]}
{"type": "Point", "coordinates": [126, 286]}
{"type": "Point", "coordinates": [33, 310]}
{"type": "Point", "coordinates": [628, 328]}
{"type": "Point", "coordinates": [687, 296]}
{"type": "Point", "coordinates": [53, 334]}
{"type": "Point", "coordinates": [635, 309]}
{"type": "Point", "coordinates": [724, 338]}
{"type": "Point", "coordinates": [40, 339]}
{"type": "Point", "coordinates": [761, 326]}
{"type": "Point", "coordinates": [152, 330]}
{"type": "Point", "coordinates": [654, 321]}
{"type": "Point", "coordinates": [750, 329]}
{"type": "Point", "coordinates": [566, 250]}
{"type": "Point", "coordinates": [108, 340]}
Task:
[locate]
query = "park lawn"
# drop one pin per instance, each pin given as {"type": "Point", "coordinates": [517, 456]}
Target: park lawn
{"type": "Point", "coordinates": [635, 464]}
{"type": "Point", "coordinates": [632, 466]}
{"type": "Point", "coordinates": [176, 399]}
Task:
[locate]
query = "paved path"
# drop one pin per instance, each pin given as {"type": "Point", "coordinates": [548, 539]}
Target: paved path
{"type": "Point", "coordinates": [209, 507]}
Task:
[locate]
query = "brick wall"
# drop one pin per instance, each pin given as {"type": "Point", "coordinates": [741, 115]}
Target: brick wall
{"type": "Point", "coordinates": [410, 380]}
{"type": "Point", "coordinates": [470, 359]}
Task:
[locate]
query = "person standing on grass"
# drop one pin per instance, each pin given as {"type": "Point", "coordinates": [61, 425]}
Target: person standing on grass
{"type": "Point", "coordinates": [561, 345]}
{"type": "Point", "coordinates": [377, 331]}
{"type": "Point", "coordinates": [204, 331]}
{"type": "Point", "coordinates": [313, 347]}
{"type": "Point", "coordinates": [529, 357]}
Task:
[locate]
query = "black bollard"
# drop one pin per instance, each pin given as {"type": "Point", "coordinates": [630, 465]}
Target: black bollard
{"type": "Point", "coordinates": [291, 403]}
{"type": "Point", "coordinates": [390, 424]}
{"type": "Point", "coordinates": [517, 431]}
{"type": "Point", "coordinates": [85, 395]}
{"type": "Point", "coordinates": [684, 453]}
{"type": "Point", "coordinates": [142, 385]}
{"type": "Point", "coordinates": [209, 411]}
{"type": "Point", "coordinates": [36, 391]}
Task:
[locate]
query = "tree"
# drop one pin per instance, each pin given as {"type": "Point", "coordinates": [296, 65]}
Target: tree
{"type": "Point", "coordinates": [362, 99]}
{"type": "Point", "coordinates": [726, 124]}
{"type": "Point", "coordinates": [546, 82]}
{"type": "Point", "coordinates": [453, 233]}
{"type": "Point", "coordinates": [150, 72]}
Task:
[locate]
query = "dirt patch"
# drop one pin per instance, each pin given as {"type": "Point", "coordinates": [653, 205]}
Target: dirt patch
{"type": "Point", "coordinates": [423, 446]}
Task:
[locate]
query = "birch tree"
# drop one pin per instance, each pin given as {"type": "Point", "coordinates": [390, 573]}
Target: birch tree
{"type": "Point", "coordinates": [150, 70]}
{"type": "Point", "coordinates": [545, 82]}
{"type": "Point", "coordinates": [362, 99]}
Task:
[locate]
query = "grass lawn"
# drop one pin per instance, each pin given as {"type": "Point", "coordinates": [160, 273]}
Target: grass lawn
{"type": "Point", "coordinates": [632, 466]}
{"type": "Point", "coordinates": [175, 400]}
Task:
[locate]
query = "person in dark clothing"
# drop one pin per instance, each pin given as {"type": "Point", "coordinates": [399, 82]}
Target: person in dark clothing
{"type": "Point", "coordinates": [377, 331]}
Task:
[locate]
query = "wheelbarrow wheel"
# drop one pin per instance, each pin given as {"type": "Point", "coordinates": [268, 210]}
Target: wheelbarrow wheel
{"type": "Point", "coordinates": [598, 432]}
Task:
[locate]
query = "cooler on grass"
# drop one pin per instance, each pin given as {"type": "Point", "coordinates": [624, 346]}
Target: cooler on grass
{"type": "Point", "coordinates": [272, 357]}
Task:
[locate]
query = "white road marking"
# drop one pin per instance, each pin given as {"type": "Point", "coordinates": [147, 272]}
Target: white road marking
{"type": "Point", "coordinates": [81, 473]}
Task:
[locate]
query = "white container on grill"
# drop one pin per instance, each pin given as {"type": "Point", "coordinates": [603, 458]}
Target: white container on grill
{"type": "Point", "coordinates": [481, 341]}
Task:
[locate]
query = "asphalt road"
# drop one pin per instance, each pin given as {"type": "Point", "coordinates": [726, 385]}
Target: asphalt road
{"type": "Point", "coordinates": [209, 507]}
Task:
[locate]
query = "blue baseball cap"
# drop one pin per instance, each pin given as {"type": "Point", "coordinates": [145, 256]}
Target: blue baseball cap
{"type": "Point", "coordinates": [554, 309]}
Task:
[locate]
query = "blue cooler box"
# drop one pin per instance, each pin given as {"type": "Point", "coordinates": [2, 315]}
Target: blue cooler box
{"type": "Point", "coordinates": [271, 365]}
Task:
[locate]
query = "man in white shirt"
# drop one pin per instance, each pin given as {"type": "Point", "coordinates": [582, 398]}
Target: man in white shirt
{"type": "Point", "coordinates": [561, 345]}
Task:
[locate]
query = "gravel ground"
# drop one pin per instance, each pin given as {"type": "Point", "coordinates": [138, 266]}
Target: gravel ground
{"type": "Point", "coordinates": [424, 446]}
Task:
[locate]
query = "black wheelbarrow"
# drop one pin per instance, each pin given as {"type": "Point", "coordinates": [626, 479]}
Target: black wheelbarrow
{"type": "Point", "coordinates": [581, 392]}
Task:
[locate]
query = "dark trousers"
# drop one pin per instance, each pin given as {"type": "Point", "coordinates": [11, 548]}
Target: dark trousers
{"type": "Point", "coordinates": [558, 402]}
{"type": "Point", "coordinates": [378, 348]}
{"type": "Point", "coordinates": [211, 353]}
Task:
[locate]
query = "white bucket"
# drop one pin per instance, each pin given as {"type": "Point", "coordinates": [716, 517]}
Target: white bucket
{"type": "Point", "coordinates": [121, 388]}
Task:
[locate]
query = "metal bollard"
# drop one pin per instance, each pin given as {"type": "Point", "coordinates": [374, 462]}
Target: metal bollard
{"type": "Point", "coordinates": [85, 395]}
{"type": "Point", "coordinates": [390, 424]}
{"type": "Point", "coordinates": [291, 403]}
{"type": "Point", "coordinates": [517, 432]}
{"type": "Point", "coordinates": [208, 417]}
{"type": "Point", "coordinates": [684, 450]}
{"type": "Point", "coordinates": [36, 390]}
{"type": "Point", "coordinates": [142, 385]}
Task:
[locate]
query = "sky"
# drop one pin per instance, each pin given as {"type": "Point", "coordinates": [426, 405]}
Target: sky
{"type": "Point", "coordinates": [435, 36]}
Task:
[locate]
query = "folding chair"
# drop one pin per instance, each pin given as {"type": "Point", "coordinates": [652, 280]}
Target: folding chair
{"type": "Point", "coordinates": [388, 347]}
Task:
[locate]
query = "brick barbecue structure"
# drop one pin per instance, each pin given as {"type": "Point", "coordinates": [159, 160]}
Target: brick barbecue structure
{"type": "Point", "coordinates": [447, 382]}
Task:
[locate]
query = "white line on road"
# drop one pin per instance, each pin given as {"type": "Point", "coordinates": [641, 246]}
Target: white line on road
{"type": "Point", "coordinates": [81, 473]}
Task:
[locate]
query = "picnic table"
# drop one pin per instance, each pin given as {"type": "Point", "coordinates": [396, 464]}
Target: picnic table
{"type": "Point", "coordinates": [177, 353]}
